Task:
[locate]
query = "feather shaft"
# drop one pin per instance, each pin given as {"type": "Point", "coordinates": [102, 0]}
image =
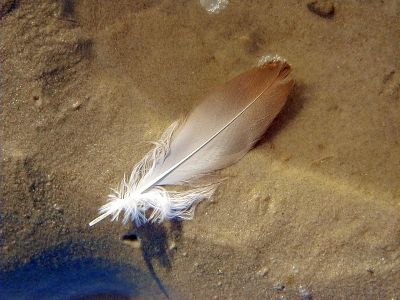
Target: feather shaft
{"type": "Point", "coordinates": [219, 131]}
{"type": "Point", "coordinates": [161, 176]}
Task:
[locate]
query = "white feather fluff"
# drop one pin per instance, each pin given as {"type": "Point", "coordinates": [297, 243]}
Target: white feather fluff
{"type": "Point", "coordinates": [219, 131]}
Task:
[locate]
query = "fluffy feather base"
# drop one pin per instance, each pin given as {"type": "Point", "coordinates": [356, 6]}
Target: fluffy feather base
{"type": "Point", "coordinates": [157, 203]}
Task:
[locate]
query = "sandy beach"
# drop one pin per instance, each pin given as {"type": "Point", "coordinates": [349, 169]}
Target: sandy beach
{"type": "Point", "coordinates": [312, 212]}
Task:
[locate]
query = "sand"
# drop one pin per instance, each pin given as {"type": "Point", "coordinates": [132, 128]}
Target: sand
{"type": "Point", "coordinates": [312, 212]}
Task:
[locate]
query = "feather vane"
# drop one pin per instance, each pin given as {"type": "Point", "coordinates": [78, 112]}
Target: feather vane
{"type": "Point", "coordinates": [218, 132]}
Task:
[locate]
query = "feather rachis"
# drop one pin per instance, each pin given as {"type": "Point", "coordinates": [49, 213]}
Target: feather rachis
{"type": "Point", "coordinates": [231, 128]}
{"type": "Point", "coordinates": [218, 132]}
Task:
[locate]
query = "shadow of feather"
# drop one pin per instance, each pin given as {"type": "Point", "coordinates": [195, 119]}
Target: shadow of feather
{"type": "Point", "coordinates": [154, 244]}
{"type": "Point", "coordinates": [294, 104]}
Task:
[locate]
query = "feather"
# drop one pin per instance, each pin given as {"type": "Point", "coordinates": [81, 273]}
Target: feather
{"type": "Point", "coordinates": [218, 132]}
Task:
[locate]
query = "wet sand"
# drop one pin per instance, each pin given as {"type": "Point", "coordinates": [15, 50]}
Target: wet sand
{"type": "Point", "coordinates": [312, 212]}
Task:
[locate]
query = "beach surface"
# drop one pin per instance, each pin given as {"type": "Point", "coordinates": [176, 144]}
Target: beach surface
{"type": "Point", "coordinates": [312, 212]}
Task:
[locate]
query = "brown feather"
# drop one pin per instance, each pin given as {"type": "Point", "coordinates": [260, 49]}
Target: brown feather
{"type": "Point", "coordinates": [225, 125]}
{"type": "Point", "coordinates": [217, 133]}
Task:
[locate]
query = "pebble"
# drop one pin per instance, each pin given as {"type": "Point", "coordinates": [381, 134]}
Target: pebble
{"type": "Point", "coordinates": [76, 105]}
{"type": "Point", "coordinates": [324, 9]}
{"type": "Point", "coordinates": [173, 248]}
{"type": "Point", "coordinates": [279, 287]}
{"type": "Point", "coordinates": [304, 292]}
{"type": "Point", "coordinates": [263, 272]}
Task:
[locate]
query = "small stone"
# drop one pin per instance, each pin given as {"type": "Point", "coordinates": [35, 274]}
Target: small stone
{"type": "Point", "coordinates": [173, 248]}
{"type": "Point", "coordinates": [279, 287]}
{"type": "Point", "coordinates": [304, 292]}
{"type": "Point", "coordinates": [76, 105]}
{"type": "Point", "coordinates": [131, 240]}
{"type": "Point", "coordinates": [58, 209]}
{"type": "Point", "coordinates": [324, 9]}
{"type": "Point", "coordinates": [262, 272]}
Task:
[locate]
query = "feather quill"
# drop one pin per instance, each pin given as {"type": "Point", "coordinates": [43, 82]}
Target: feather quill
{"type": "Point", "coordinates": [218, 132]}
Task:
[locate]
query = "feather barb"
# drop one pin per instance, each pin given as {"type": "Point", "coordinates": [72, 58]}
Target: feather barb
{"type": "Point", "coordinates": [218, 132]}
